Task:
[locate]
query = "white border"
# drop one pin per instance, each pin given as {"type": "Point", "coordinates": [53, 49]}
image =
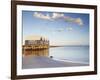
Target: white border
{"type": "Point", "coordinates": [21, 71]}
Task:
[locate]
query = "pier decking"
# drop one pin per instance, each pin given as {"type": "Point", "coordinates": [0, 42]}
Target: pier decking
{"type": "Point", "coordinates": [35, 47]}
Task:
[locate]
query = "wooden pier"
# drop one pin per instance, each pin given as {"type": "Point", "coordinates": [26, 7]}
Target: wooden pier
{"type": "Point", "coordinates": [35, 47]}
{"type": "Point", "coordinates": [36, 44]}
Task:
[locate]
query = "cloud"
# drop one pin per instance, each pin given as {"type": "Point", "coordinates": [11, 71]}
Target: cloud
{"type": "Point", "coordinates": [69, 28]}
{"type": "Point", "coordinates": [78, 21]}
{"type": "Point", "coordinates": [47, 16]}
{"type": "Point", "coordinates": [54, 16]}
{"type": "Point", "coordinates": [57, 15]}
{"type": "Point", "coordinates": [60, 30]}
{"type": "Point", "coordinates": [68, 19]}
{"type": "Point", "coordinates": [42, 16]}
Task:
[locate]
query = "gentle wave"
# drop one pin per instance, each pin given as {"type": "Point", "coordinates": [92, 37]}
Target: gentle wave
{"type": "Point", "coordinates": [70, 61]}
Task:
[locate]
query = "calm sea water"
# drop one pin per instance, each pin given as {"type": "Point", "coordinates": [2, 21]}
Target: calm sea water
{"type": "Point", "coordinates": [78, 54]}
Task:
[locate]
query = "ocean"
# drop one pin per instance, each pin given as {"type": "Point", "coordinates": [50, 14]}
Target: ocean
{"type": "Point", "coordinates": [64, 56]}
{"type": "Point", "coordinates": [77, 54]}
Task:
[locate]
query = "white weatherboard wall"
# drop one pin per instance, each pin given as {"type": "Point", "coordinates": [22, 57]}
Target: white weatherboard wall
{"type": "Point", "coordinates": [5, 32]}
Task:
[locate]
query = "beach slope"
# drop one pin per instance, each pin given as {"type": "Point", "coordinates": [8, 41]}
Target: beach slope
{"type": "Point", "coordinates": [29, 62]}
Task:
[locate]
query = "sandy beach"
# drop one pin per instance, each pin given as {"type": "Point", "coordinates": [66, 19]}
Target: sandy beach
{"type": "Point", "coordinates": [29, 62]}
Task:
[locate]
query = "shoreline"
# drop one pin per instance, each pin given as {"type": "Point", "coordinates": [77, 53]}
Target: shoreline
{"type": "Point", "coordinates": [69, 61]}
{"type": "Point", "coordinates": [29, 62]}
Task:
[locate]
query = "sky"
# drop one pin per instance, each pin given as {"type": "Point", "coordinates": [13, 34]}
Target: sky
{"type": "Point", "coordinates": [59, 28]}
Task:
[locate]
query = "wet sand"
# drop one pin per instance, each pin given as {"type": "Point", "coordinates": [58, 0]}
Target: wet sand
{"type": "Point", "coordinates": [29, 62]}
